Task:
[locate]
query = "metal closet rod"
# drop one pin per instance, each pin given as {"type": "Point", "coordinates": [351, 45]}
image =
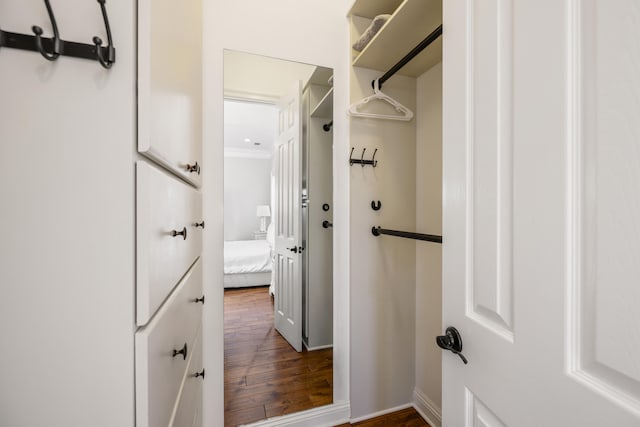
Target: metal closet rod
{"type": "Point", "coordinates": [377, 231]}
{"type": "Point", "coordinates": [409, 56]}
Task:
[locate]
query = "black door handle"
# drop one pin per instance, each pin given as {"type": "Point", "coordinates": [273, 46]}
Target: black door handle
{"type": "Point", "coordinates": [451, 341]}
{"type": "Point", "coordinates": [294, 249]}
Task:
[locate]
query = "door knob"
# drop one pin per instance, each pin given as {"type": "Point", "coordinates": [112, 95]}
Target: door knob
{"type": "Point", "coordinates": [451, 341]}
{"type": "Point", "coordinates": [326, 224]}
{"type": "Point", "coordinates": [293, 249]}
{"type": "Point", "coordinates": [201, 299]}
{"type": "Point", "coordinates": [199, 224]}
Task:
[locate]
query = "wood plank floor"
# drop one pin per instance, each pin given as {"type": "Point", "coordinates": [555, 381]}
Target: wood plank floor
{"type": "Point", "coordinates": [405, 418]}
{"type": "Point", "coordinates": [263, 375]}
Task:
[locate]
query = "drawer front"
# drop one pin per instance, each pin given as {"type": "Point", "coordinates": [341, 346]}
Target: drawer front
{"type": "Point", "coordinates": [167, 209]}
{"type": "Point", "coordinates": [159, 374]}
{"type": "Point", "coordinates": [187, 410]}
{"type": "Point", "coordinates": [170, 91]}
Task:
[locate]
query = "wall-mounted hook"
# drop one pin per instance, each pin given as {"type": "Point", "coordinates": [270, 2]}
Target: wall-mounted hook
{"type": "Point", "coordinates": [110, 58]}
{"type": "Point", "coordinates": [327, 126]}
{"type": "Point", "coordinates": [376, 206]}
{"type": "Point", "coordinates": [361, 161]}
{"type": "Point", "coordinates": [55, 49]}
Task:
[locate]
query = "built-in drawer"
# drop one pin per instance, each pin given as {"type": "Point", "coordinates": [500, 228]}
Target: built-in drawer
{"type": "Point", "coordinates": [187, 412]}
{"type": "Point", "coordinates": [169, 229]}
{"type": "Point", "coordinates": [170, 85]}
{"type": "Point", "coordinates": [164, 348]}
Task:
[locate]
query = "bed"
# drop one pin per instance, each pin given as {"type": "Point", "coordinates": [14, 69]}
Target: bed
{"type": "Point", "coordinates": [247, 263]}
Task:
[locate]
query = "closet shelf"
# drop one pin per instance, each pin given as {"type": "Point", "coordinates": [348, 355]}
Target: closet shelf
{"type": "Point", "coordinates": [371, 8]}
{"type": "Point", "coordinates": [411, 22]}
{"type": "Point", "coordinates": [324, 109]}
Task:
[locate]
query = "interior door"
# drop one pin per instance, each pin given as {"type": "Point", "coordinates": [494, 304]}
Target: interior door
{"type": "Point", "coordinates": [541, 202]}
{"type": "Point", "coordinates": [288, 240]}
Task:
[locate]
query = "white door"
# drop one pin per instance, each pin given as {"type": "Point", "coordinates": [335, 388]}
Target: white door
{"type": "Point", "coordinates": [541, 243]}
{"type": "Point", "coordinates": [288, 241]}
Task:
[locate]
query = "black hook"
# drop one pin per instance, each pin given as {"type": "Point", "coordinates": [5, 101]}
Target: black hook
{"type": "Point", "coordinates": [362, 157]}
{"type": "Point", "coordinates": [351, 156]}
{"type": "Point", "coordinates": [97, 41]}
{"type": "Point", "coordinates": [374, 162]}
{"type": "Point", "coordinates": [376, 207]}
{"type": "Point", "coordinates": [327, 126]}
{"type": "Point", "coordinates": [56, 36]}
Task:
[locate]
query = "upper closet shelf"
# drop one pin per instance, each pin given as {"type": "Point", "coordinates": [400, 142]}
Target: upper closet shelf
{"type": "Point", "coordinates": [409, 24]}
{"type": "Point", "coordinates": [324, 109]}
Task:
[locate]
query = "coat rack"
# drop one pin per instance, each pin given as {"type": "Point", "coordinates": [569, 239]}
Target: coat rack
{"type": "Point", "coordinates": [54, 47]}
{"type": "Point", "coordinates": [361, 161]}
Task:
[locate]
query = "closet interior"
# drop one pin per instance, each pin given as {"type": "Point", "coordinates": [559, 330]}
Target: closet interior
{"type": "Point", "coordinates": [396, 115]}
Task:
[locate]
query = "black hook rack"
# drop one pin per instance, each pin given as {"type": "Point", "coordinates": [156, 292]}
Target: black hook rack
{"type": "Point", "coordinates": [55, 48]}
{"type": "Point", "coordinates": [361, 161]}
{"type": "Point", "coordinates": [377, 231]}
{"type": "Point", "coordinates": [52, 48]}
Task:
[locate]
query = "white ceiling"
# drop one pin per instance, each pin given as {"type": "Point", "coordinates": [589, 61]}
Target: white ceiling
{"type": "Point", "coordinates": [255, 121]}
{"type": "Point", "coordinates": [264, 80]}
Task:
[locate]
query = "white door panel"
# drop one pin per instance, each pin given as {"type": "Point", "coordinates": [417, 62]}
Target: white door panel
{"type": "Point", "coordinates": [288, 238]}
{"type": "Point", "coordinates": [540, 206]}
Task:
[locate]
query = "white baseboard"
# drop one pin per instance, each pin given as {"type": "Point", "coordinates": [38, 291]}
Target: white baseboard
{"type": "Point", "coordinates": [325, 416]}
{"type": "Point", "coordinates": [380, 413]}
{"type": "Point", "coordinates": [426, 408]}
{"type": "Point", "coordinates": [320, 347]}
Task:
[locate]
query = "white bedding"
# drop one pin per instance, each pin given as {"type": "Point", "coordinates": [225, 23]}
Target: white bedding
{"type": "Point", "coordinates": [247, 256]}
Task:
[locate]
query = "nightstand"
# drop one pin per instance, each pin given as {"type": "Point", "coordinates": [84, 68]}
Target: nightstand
{"type": "Point", "coordinates": [259, 235]}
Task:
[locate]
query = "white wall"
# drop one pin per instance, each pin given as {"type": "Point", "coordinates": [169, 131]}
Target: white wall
{"type": "Point", "coordinates": [247, 184]}
{"type": "Point", "coordinates": [429, 255]}
{"type": "Point", "coordinates": [67, 141]}
{"type": "Point", "coordinates": [300, 30]}
{"type": "Point", "coordinates": [383, 268]}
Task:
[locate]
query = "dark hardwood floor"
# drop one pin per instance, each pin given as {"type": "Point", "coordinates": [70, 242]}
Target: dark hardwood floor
{"type": "Point", "coordinates": [264, 376]}
{"type": "Point", "coordinates": [405, 418]}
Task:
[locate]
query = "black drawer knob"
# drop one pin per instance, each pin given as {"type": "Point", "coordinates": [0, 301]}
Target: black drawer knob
{"type": "Point", "coordinates": [201, 299]}
{"type": "Point", "coordinates": [183, 233]}
{"type": "Point", "coordinates": [182, 351]}
{"type": "Point", "coordinates": [199, 224]}
{"type": "Point", "coordinates": [193, 168]}
{"type": "Point", "coordinates": [200, 374]}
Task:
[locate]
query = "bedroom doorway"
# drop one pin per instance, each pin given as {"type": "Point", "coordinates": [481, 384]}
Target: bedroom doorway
{"type": "Point", "coordinates": [278, 249]}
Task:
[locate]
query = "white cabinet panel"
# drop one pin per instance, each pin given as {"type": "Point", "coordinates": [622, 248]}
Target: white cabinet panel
{"type": "Point", "coordinates": [167, 209]}
{"type": "Point", "coordinates": [188, 407]}
{"type": "Point", "coordinates": [170, 84]}
{"type": "Point", "coordinates": [159, 370]}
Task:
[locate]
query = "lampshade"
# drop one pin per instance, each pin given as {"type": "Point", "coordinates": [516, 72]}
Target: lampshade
{"type": "Point", "coordinates": [263, 210]}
